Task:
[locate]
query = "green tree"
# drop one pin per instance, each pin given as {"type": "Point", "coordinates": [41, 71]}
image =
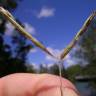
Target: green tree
{"type": "Point", "coordinates": [9, 4]}
{"type": "Point", "coordinates": [87, 51]}
{"type": "Point", "coordinates": [54, 69]}
{"type": "Point", "coordinates": [12, 56]}
{"type": "Point", "coordinates": [43, 68]}
{"type": "Point", "coordinates": [74, 71]}
{"type": "Point", "coordinates": [87, 47]}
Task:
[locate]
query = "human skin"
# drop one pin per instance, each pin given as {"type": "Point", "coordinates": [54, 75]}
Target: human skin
{"type": "Point", "coordinates": [25, 84]}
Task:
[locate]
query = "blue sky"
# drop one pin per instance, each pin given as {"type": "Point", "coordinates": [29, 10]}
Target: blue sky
{"type": "Point", "coordinates": [53, 22]}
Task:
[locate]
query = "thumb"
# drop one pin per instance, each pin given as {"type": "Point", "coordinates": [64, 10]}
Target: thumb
{"type": "Point", "coordinates": [24, 84]}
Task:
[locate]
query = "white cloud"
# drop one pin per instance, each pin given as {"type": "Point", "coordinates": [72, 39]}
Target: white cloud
{"type": "Point", "coordinates": [69, 61]}
{"type": "Point", "coordinates": [36, 66]}
{"type": "Point", "coordinates": [50, 65]}
{"type": "Point", "coordinates": [46, 12]}
{"type": "Point", "coordinates": [9, 29]}
{"type": "Point", "coordinates": [55, 52]}
{"type": "Point", "coordinates": [50, 61]}
{"type": "Point", "coordinates": [29, 28]}
{"type": "Point", "coordinates": [33, 50]}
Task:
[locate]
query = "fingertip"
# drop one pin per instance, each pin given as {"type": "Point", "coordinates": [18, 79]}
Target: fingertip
{"type": "Point", "coordinates": [36, 84]}
{"type": "Point", "coordinates": [50, 86]}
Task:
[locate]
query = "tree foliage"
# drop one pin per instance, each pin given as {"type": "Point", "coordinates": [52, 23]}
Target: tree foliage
{"type": "Point", "coordinates": [54, 69]}
{"type": "Point", "coordinates": [87, 48]}
{"type": "Point", "coordinates": [86, 53]}
{"type": "Point", "coordinates": [74, 71]}
{"type": "Point", "coordinates": [13, 54]}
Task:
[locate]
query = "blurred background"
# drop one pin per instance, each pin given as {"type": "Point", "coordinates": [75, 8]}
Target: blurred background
{"type": "Point", "coordinates": [54, 23]}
